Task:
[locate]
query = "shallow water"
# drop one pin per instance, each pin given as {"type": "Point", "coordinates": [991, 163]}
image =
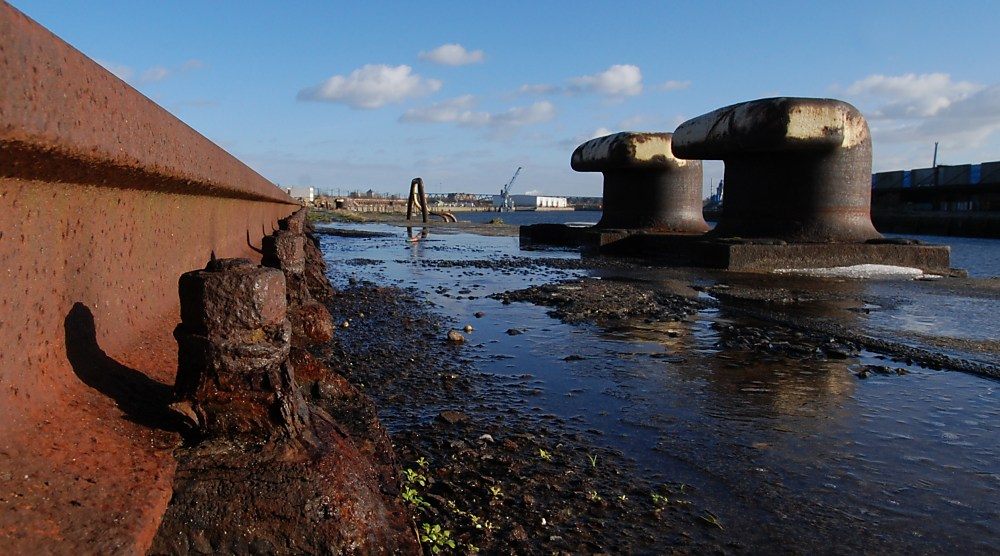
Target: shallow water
{"type": "Point", "coordinates": [789, 454]}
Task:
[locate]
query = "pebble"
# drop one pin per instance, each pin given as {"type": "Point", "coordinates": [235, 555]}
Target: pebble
{"type": "Point", "coordinates": [455, 337]}
{"type": "Point", "coordinates": [486, 438]}
{"type": "Point", "coordinates": [452, 417]}
{"type": "Point", "coordinates": [513, 332]}
{"type": "Point", "coordinates": [479, 314]}
{"type": "Point", "coordinates": [468, 328]}
{"type": "Point", "coordinates": [345, 324]}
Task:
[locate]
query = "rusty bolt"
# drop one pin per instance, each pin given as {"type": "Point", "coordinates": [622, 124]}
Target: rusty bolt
{"type": "Point", "coordinates": [232, 294]}
{"type": "Point", "coordinates": [797, 169]}
{"type": "Point", "coordinates": [285, 250]}
{"type": "Point", "coordinates": [645, 187]}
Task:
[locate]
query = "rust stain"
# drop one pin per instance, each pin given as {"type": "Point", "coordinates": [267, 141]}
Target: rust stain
{"type": "Point", "coordinates": [105, 200]}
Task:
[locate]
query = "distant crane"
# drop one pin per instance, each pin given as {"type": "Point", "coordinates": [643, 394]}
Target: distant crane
{"type": "Point", "coordinates": [506, 201]}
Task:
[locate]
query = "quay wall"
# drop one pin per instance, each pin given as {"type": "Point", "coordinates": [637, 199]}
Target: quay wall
{"type": "Point", "coordinates": [105, 200]}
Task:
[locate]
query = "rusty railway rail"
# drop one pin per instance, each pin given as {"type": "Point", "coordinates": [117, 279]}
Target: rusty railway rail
{"type": "Point", "coordinates": [105, 200]}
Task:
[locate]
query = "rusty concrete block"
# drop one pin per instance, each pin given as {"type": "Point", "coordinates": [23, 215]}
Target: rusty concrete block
{"type": "Point", "coordinates": [232, 295]}
{"type": "Point", "coordinates": [285, 250]}
{"type": "Point", "coordinates": [296, 223]}
{"type": "Point", "coordinates": [233, 344]}
{"type": "Point", "coordinates": [797, 169]}
{"type": "Point", "coordinates": [645, 186]}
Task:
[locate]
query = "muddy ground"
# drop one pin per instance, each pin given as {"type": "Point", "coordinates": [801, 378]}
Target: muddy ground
{"type": "Point", "coordinates": [495, 479]}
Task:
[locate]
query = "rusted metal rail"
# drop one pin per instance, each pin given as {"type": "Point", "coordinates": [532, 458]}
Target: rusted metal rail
{"type": "Point", "coordinates": [105, 200]}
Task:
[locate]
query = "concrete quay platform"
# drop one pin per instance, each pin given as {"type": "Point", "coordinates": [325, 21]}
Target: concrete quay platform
{"type": "Point", "coordinates": [738, 254]}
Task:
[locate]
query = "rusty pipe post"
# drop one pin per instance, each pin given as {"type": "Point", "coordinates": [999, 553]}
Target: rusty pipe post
{"type": "Point", "coordinates": [422, 198]}
{"type": "Point", "coordinates": [645, 187]}
{"type": "Point", "coordinates": [410, 198]}
{"type": "Point", "coordinates": [797, 169]}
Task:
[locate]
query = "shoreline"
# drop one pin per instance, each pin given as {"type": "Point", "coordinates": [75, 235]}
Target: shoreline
{"type": "Point", "coordinates": [422, 377]}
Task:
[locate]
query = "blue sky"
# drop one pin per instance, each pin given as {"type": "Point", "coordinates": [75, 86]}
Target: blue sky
{"type": "Point", "coordinates": [359, 95]}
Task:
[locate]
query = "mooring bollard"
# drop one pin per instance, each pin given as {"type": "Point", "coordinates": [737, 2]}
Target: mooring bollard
{"type": "Point", "coordinates": [645, 187]}
{"type": "Point", "coordinates": [797, 169]}
{"type": "Point", "coordinates": [233, 346]}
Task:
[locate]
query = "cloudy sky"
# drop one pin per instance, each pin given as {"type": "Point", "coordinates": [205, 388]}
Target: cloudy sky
{"type": "Point", "coordinates": [358, 95]}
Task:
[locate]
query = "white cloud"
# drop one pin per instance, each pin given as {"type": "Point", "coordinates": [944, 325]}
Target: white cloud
{"type": "Point", "coordinates": [538, 89]}
{"type": "Point", "coordinates": [460, 111]}
{"type": "Point", "coordinates": [153, 74]}
{"type": "Point", "coordinates": [909, 113]}
{"type": "Point", "coordinates": [121, 71]}
{"type": "Point", "coordinates": [150, 75]}
{"type": "Point", "coordinates": [371, 86]}
{"type": "Point", "coordinates": [618, 81]}
{"type": "Point", "coordinates": [912, 95]}
{"type": "Point", "coordinates": [457, 110]}
{"type": "Point", "coordinates": [452, 55]}
{"type": "Point", "coordinates": [672, 85]}
{"type": "Point", "coordinates": [526, 115]}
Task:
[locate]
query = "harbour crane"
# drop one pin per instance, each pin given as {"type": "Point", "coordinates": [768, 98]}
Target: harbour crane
{"type": "Point", "coordinates": [506, 201]}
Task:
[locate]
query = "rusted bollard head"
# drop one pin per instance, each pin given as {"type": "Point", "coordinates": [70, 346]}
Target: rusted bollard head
{"type": "Point", "coordinates": [296, 223]}
{"type": "Point", "coordinates": [797, 169]}
{"type": "Point", "coordinates": [645, 187]}
{"type": "Point", "coordinates": [233, 346]}
{"type": "Point", "coordinates": [285, 250]}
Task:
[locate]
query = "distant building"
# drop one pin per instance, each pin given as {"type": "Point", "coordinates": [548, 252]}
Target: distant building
{"type": "Point", "coordinates": [304, 194]}
{"type": "Point", "coordinates": [533, 202]}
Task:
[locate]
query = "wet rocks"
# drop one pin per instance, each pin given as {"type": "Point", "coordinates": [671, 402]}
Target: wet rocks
{"type": "Point", "coordinates": [455, 337]}
{"type": "Point", "coordinates": [865, 371]}
{"type": "Point", "coordinates": [451, 417]}
{"type": "Point", "coordinates": [604, 301]}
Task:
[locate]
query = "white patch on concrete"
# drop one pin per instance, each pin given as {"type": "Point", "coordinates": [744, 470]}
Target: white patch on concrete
{"type": "Point", "coordinates": [652, 147]}
{"type": "Point", "coordinates": [859, 271]}
{"type": "Point", "coordinates": [805, 122]}
{"type": "Point", "coordinates": [599, 150]}
{"type": "Point", "coordinates": [815, 122]}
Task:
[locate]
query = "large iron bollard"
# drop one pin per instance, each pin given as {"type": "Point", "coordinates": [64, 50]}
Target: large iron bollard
{"type": "Point", "coordinates": [645, 187]}
{"type": "Point", "coordinates": [797, 169]}
{"type": "Point", "coordinates": [233, 346]}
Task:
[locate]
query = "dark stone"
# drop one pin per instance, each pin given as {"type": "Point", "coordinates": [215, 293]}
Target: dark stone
{"type": "Point", "coordinates": [451, 417]}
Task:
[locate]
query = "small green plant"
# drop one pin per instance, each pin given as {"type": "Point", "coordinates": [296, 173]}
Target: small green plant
{"type": "Point", "coordinates": [622, 497]}
{"type": "Point", "coordinates": [496, 220]}
{"type": "Point", "coordinates": [659, 499]}
{"type": "Point", "coordinates": [414, 478]}
{"type": "Point", "coordinates": [496, 491]}
{"type": "Point", "coordinates": [593, 496]}
{"type": "Point", "coordinates": [545, 455]}
{"type": "Point", "coordinates": [422, 462]}
{"type": "Point", "coordinates": [593, 460]}
{"type": "Point", "coordinates": [411, 496]}
{"type": "Point", "coordinates": [436, 538]}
